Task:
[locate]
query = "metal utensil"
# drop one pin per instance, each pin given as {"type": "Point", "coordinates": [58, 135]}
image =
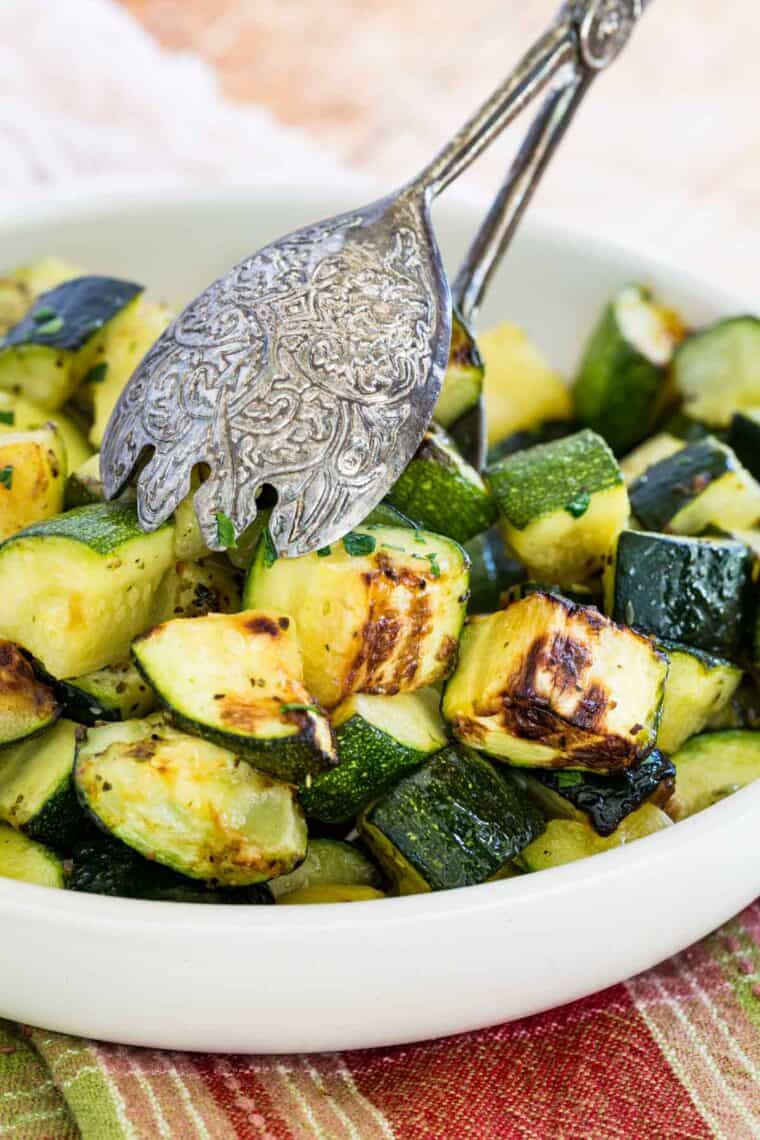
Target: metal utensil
{"type": "Point", "coordinates": [314, 365]}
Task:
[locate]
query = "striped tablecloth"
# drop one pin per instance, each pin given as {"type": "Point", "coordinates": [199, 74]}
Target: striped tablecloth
{"type": "Point", "coordinates": [669, 1055]}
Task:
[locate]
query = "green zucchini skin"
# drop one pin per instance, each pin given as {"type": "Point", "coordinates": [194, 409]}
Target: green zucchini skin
{"type": "Point", "coordinates": [37, 794]}
{"type": "Point", "coordinates": [456, 821]}
{"type": "Point", "coordinates": [547, 432]}
{"type": "Point", "coordinates": [744, 438]}
{"type": "Point", "coordinates": [328, 861]}
{"type": "Point", "coordinates": [711, 767]}
{"type": "Point", "coordinates": [82, 306]}
{"type": "Point", "coordinates": [492, 571]}
{"type": "Point", "coordinates": [113, 693]}
{"type": "Point", "coordinates": [384, 514]}
{"type": "Point", "coordinates": [695, 591]}
{"type": "Point", "coordinates": [443, 492]}
{"type": "Point", "coordinates": [103, 866]}
{"type": "Point", "coordinates": [604, 800]}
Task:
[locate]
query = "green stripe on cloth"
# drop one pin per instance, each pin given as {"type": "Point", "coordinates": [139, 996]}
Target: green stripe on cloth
{"type": "Point", "coordinates": [76, 1069]}
{"type": "Point", "coordinates": [31, 1108]}
{"type": "Point", "coordinates": [739, 958]}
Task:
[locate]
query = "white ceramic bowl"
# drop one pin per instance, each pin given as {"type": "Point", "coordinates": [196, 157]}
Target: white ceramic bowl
{"type": "Point", "coordinates": [286, 979]}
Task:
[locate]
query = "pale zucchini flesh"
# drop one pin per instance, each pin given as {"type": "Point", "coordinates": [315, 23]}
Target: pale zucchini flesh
{"type": "Point", "coordinates": [18, 414]}
{"type": "Point", "coordinates": [327, 862]}
{"type": "Point", "coordinates": [32, 478]}
{"type": "Point", "coordinates": [711, 767]}
{"type": "Point", "coordinates": [27, 861]}
{"type": "Point", "coordinates": [566, 840]}
{"type": "Point", "coordinates": [698, 688]}
{"type": "Point", "coordinates": [463, 379]}
{"type": "Point", "coordinates": [27, 704]}
{"type": "Point", "coordinates": [36, 787]}
{"type": "Point", "coordinates": [521, 390]}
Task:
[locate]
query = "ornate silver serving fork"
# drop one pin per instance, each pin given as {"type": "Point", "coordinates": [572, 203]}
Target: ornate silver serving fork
{"type": "Point", "coordinates": [314, 365]}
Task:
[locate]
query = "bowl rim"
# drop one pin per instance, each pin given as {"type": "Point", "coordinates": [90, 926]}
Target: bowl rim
{"type": "Point", "coordinates": [102, 911]}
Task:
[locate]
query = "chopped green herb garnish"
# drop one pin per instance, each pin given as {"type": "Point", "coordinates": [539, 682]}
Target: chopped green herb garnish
{"type": "Point", "coordinates": [324, 552]}
{"type": "Point", "coordinates": [418, 537]}
{"type": "Point", "coordinates": [6, 476]}
{"type": "Point", "coordinates": [48, 328]}
{"type": "Point", "coordinates": [43, 314]}
{"type": "Point", "coordinates": [97, 373]}
{"type": "Point", "coordinates": [295, 707]}
{"type": "Point", "coordinates": [270, 550]}
{"type": "Point", "coordinates": [435, 569]}
{"type": "Point", "coordinates": [578, 506]}
{"type": "Point", "coordinates": [358, 544]}
{"type": "Point", "coordinates": [225, 531]}
{"type": "Point", "coordinates": [7, 418]}
{"type": "Point", "coordinates": [569, 779]}
{"type": "Point", "coordinates": [390, 546]}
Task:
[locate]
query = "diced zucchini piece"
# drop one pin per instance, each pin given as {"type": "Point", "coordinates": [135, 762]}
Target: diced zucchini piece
{"type": "Point", "coordinates": [328, 862]}
{"type": "Point", "coordinates": [659, 447]}
{"type": "Point", "coordinates": [20, 288]}
{"type": "Point", "coordinates": [454, 822]}
{"type": "Point", "coordinates": [699, 686]}
{"type": "Point", "coordinates": [237, 679]}
{"type": "Point", "coordinates": [711, 767]}
{"type": "Point", "coordinates": [717, 370]}
{"type": "Point", "coordinates": [377, 612]}
{"type": "Point", "coordinates": [386, 515]}
{"type": "Point", "coordinates": [32, 477]}
{"type": "Point", "coordinates": [691, 590]}
{"type": "Point", "coordinates": [699, 486]}
{"type": "Point", "coordinates": [442, 492]}
{"type": "Point", "coordinates": [53, 348]}
{"type": "Point", "coordinates": [379, 739]}
{"type": "Point", "coordinates": [463, 380]}
{"type": "Point", "coordinates": [562, 506]}
{"type": "Point", "coordinates": [27, 705]}
{"type": "Point", "coordinates": [115, 692]}
{"type": "Point", "coordinates": [744, 438]}
{"type": "Point", "coordinates": [546, 432]}
{"type": "Point", "coordinates": [18, 414]}
{"type": "Point", "coordinates": [189, 804]}
{"type": "Point", "coordinates": [602, 801]}
{"type": "Point", "coordinates": [23, 859]}
{"type": "Point", "coordinates": [85, 485]}
{"type": "Point", "coordinates": [566, 840]}
{"type": "Point", "coordinates": [492, 571]}
{"type": "Point", "coordinates": [331, 893]}
{"type": "Point", "coordinates": [621, 386]}
{"type": "Point", "coordinates": [193, 589]}
{"type": "Point", "coordinates": [36, 788]}
{"type": "Point", "coordinates": [75, 590]}
{"type": "Point", "coordinates": [742, 711]}
{"type": "Point", "coordinates": [125, 345]}
{"type": "Point", "coordinates": [521, 390]}
{"type": "Point", "coordinates": [103, 866]}
{"type": "Point", "coordinates": [545, 683]}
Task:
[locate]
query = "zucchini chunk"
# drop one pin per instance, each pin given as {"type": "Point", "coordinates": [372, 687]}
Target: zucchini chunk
{"type": "Point", "coordinates": [76, 589]}
{"type": "Point", "coordinates": [193, 589]}
{"type": "Point", "coordinates": [492, 571]}
{"type": "Point", "coordinates": [742, 711]}
{"type": "Point", "coordinates": [53, 347]}
{"type": "Point", "coordinates": [103, 866]}
{"type": "Point", "coordinates": [17, 414]}
{"type": "Point", "coordinates": [546, 683]}
{"type": "Point", "coordinates": [463, 380]}
{"type": "Point", "coordinates": [520, 388]}
{"type": "Point", "coordinates": [690, 590]}
{"type": "Point", "coordinates": [237, 679]}
{"type": "Point", "coordinates": [27, 705]}
{"type": "Point", "coordinates": [636, 462]}
{"type": "Point", "coordinates": [188, 804]}
{"type": "Point", "coordinates": [566, 840]}
{"type": "Point", "coordinates": [380, 611]}
{"type": "Point", "coordinates": [331, 893]}
{"type": "Point", "coordinates": [442, 492]}
{"type": "Point", "coordinates": [711, 767]}
{"type": "Point", "coordinates": [36, 788]}
{"type": "Point", "coordinates": [717, 370]}
{"type": "Point", "coordinates": [579, 594]}
{"type": "Point", "coordinates": [20, 288]}
{"type": "Point", "coordinates": [699, 486]}
{"type": "Point", "coordinates": [744, 438]}
{"type": "Point", "coordinates": [699, 686]}
{"type": "Point", "coordinates": [454, 822]}
{"type": "Point", "coordinates": [115, 692]}
{"type": "Point", "coordinates": [378, 739]}
{"type": "Point", "coordinates": [85, 485]}
{"type": "Point", "coordinates": [32, 477]}
{"type": "Point", "coordinates": [621, 386]}
{"type": "Point", "coordinates": [386, 515]}
{"type": "Point", "coordinates": [602, 801]}
{"type": "Point", "coordinates": [562, 506]}
{"type": "Point", "coordinates": [23, 859]}
{"type": "Point", "coordinates": [328, 862]}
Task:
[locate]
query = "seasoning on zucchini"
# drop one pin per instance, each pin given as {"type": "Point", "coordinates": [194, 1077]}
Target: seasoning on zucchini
{"type": "Point", "coordinates": [521, 390]}
{"type": "Point", "coordinates": [53, 347]}
{"type": "Point", "coordinates": [24, 859]}
{"type": "Point", "coordinates": [76, 589]}
{"type": "Point", "coordinates": [18, 414]}
{"type": "Point", "coordinates": [20, 288]}
{"type": "Point", "coordinates": [566, 840]}
{"type": "Point", "coordinates": [492, 571]}
{"type": "Point", "coordinates": [562, 505]}
{"type": "Point", "coordinates": [36, 790]}
{"type": "Point", "coordinates": [621, 386]}
{"type": "Point", "coordinates": [189, 804]}
{"type": "Point", "coordinates": [602, 801]}
{"type": "Point", "coordinates": [237, 679]}
{"type": "Point", "coordinates": [377, 612]}
{"type": "Point", "coordinates": [700, 485]}
{"type": "Point", "coordinates": [327, 862]}
{"type": "Point", "coordinates": [463, 380]}
{"type": "Point", "coordinates": [699, 686]}
{"type": "Point", "coordinates": [442, 492]}
{"type": "Point", "coordinates": [744, 438]}
{"type": "Point", "coordinates": [32, 476]}
{"type": "Point", "coordinates": [711, 767]}
{"type": "Point", "coordinates": [717, 370]}
{"type": "Point", "coordinates": [546, 683]}
{"type": "Point", "coordinates": [115, 692]}
{"type": "Point", "coordinates": [691, 590]}
{"type": "Point", "coordinates": [27, 704]}
{"type": "Point", "coordinates": [378, 739]}
{"type": "Point", "coordinates": [453, 822]}
{"type": "Point", "coordinates": [193, 589]}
